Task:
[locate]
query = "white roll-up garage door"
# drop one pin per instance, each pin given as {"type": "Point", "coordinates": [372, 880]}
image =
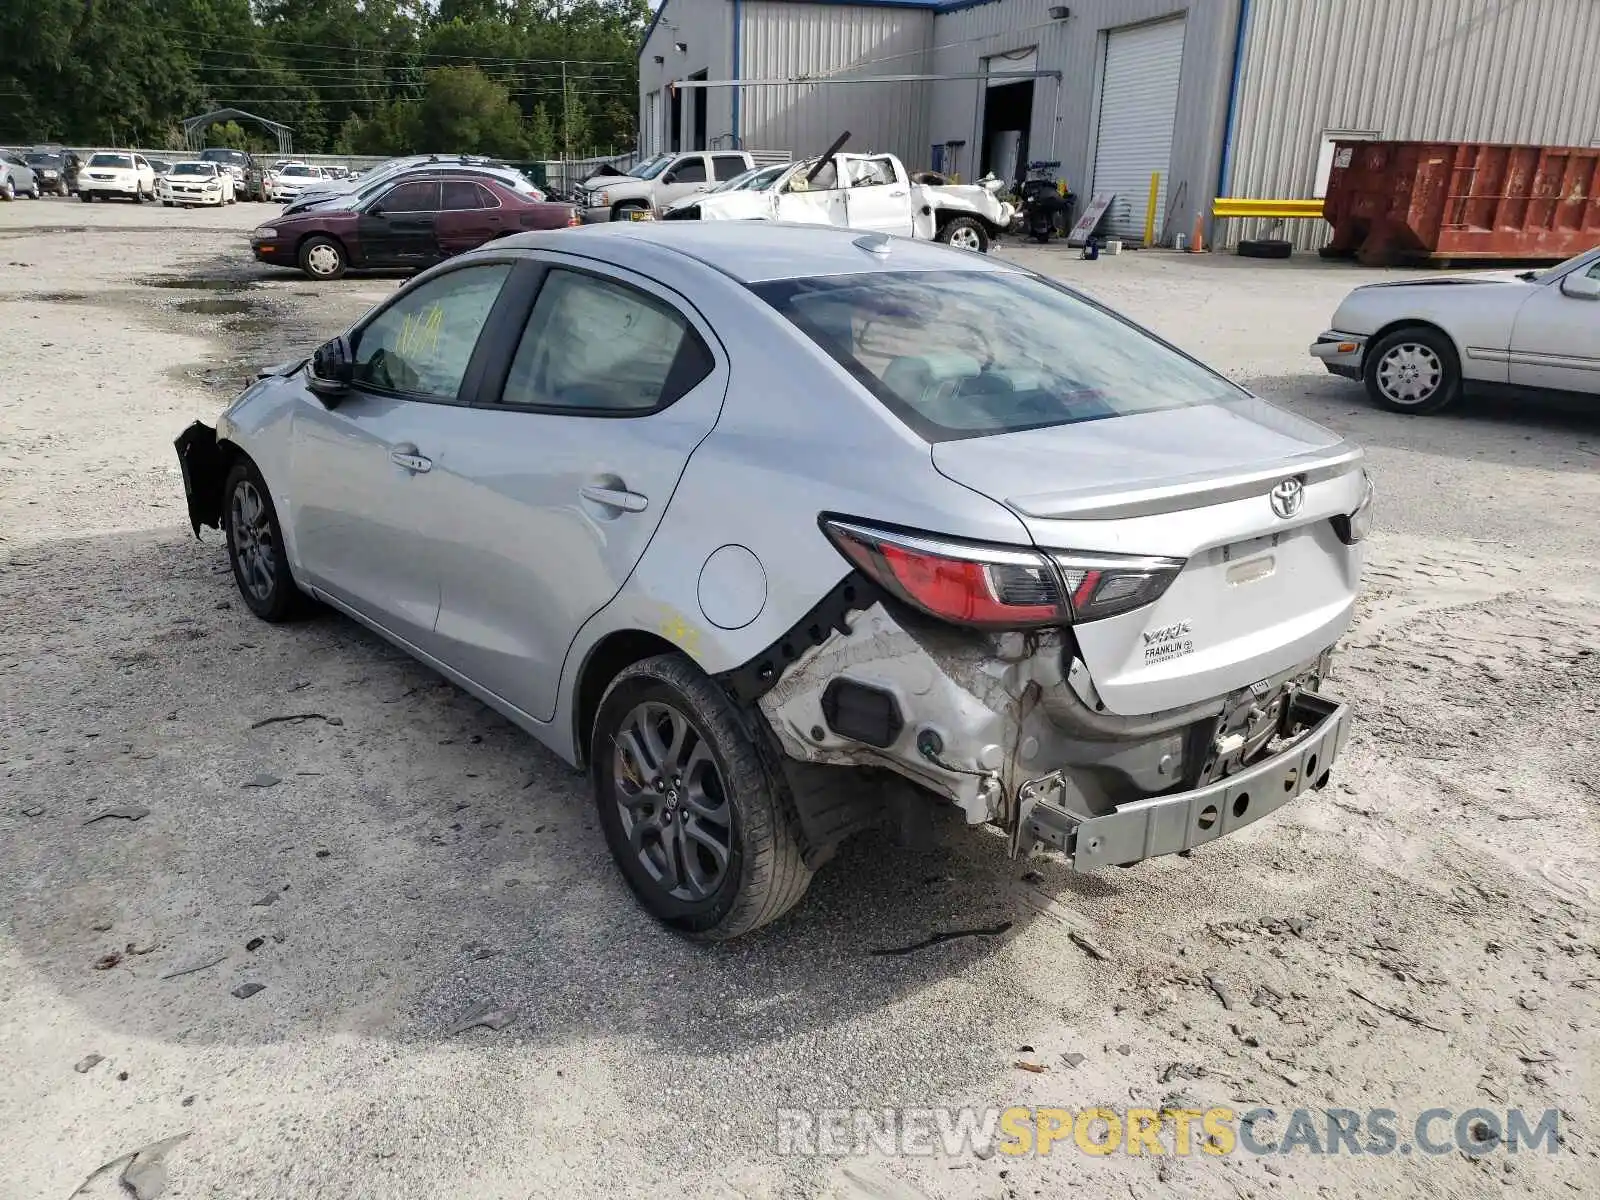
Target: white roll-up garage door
{"type": "Point", "coordinates": [1138, 105]}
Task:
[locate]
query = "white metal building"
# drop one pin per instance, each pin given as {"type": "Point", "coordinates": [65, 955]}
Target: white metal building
{"type": "Point", "coordinates": [1218, 97]}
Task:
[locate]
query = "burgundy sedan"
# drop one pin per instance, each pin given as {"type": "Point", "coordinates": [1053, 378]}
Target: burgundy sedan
{"type": "Point", "coordinates": [417, 221]}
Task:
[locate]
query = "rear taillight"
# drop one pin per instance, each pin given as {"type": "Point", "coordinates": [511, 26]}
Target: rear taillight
{"type": "Point", "coordinates": [999, 587]}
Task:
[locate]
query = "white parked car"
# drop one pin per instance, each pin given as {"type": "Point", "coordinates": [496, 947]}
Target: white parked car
{"type": "Point", "coordinates": [117, 173]}
{"type": "Point", "coordinates": [870, 192]}
{"type": "Point", "coordinates": [291, 179]}
{"type": "Point", "coordinates": [190, 183]}
{"type": "Point", "coordinates": [1418, 344]}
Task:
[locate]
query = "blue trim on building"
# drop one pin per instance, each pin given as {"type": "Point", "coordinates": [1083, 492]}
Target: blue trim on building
{"type": "Point", "coordinates": [1225, 166]}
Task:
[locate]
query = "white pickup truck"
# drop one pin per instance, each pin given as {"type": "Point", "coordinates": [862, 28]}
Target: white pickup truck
{"type": "Point", "coordinates": [659, 181]}
{"type": "Point", "coordinates": [859, 191]}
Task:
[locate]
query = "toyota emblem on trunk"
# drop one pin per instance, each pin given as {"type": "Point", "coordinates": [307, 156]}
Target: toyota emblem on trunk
{"type": "Point", "coordinates": [1287, 497]}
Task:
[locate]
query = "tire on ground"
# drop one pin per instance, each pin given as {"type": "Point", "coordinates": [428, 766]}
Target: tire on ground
{"type": "Point", "coordinates": [767, 875]}
{"type": "Point", "coordinates": [1265, 248]}
{"type": "Point", "coordinates": [1435, 341]}
{"type": "Point", "coordinates": [954, 228]}
{"type": "Point", "coordinates": [313, 243]}
{"type": "Point", "coordinates": [284, 601]}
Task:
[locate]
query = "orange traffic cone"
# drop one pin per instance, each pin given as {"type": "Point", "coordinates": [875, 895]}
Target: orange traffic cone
{"type": "Point", "coordinates": [1196, 239]}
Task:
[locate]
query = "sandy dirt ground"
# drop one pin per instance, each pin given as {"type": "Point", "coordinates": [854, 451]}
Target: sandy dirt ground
{"type": "Point", "coordinates": [1423, 934]}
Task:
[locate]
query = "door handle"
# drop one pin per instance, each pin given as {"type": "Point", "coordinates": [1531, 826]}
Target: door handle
{"type": "Point", "coordinates": [619, 498]}
{"type": "Point", "coordinates": [406, 456]}
{"type": "Point", "coordinates": [898, 195]}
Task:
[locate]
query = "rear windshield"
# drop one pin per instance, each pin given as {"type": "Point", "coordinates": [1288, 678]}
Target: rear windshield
{"type": "Point", "coordinates": [959, 354]}
{"type": "Point", "coordinates": [228, 156]}
{"type": "Point", "coordinates": [112, 160]}
{"type": "Point", "coordinates": [194, 168]}
{"type": "Point", "coordinates": [298, 170]}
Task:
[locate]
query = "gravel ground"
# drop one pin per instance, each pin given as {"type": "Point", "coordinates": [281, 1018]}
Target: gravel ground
{"type": "Point", "coordinates": [1422, 934]}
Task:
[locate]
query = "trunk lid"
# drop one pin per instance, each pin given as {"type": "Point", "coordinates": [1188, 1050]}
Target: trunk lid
{"type": "Point", "coordinates": [1259, 592]}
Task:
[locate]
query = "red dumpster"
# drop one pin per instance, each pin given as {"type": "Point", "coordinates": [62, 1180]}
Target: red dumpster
{"type": "Point", "coordinates": [1411, 202]}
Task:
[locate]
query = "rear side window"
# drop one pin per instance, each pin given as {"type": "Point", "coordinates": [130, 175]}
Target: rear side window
{"type": "Point", "coordinates": [461, 193]}
{"type": "Point", "coordinates": [959, 354]}
{"type": "Point", "coordinates": [601, 347]}
{"type": "Point", "coordinates": [728, 166]}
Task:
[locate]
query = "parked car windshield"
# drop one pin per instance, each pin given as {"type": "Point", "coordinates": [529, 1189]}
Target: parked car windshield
{"type": "Point", "coordinates": [112, 160]}
{"type": "Point", "coordinates": [969, 353]}
{"type": "Point", "coordinates": [194, 168]}
{"type": "Point", "coordinates": [227, 156]}
{"type": "Point", "coordinates": [298, 170]}
{"type": "Point", "coordinates": [651, 167]}
{"type": "Point", "coordinates": [44, 160]}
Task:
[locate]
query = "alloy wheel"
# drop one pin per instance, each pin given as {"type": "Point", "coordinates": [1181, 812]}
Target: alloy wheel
{"type": "Point", "coordinates": [672, 802]}
{"type": "Point", "coordinates": [1410, 373]}
{"type": "Point", "coordinates": [965, 238]}
{"type": "Point", "coordinates": [253, 541]}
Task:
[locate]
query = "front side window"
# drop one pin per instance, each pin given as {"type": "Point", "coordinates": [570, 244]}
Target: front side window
{"type": "Point", "coordinates": [690, 170]}
{"type": "Point", "coordinates": [597, 345]}
{"type": "Point", "coordinates": [827, 179]}
{"type": "Point", "coordinates": [421, 344]}
{"type": "Point", "coordinates": [946, 352]}
{"type": "Point", "coordinates": [411, 197]}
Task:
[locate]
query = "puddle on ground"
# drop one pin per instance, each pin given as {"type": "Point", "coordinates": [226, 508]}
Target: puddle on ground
{"type": "Point", "coordinates": [196, 285]}
{"type": "Point", "coordinates": [59, 297]}
{"type": "Point", "coordinates": [218, 308]}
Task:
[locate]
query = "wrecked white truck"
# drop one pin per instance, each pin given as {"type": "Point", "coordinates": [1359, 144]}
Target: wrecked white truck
{"type": "Point", "coordinates": [785, 533]}
{"type": "Point", "coordinates": [870, 192]}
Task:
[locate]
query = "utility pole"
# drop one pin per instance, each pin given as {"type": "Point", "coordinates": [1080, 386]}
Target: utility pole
{"type": "Point", "coordinates": [566, 117]}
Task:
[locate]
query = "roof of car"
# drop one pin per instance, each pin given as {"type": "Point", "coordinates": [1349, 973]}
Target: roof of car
{"type": "Point", "coordinates": [757, 251]}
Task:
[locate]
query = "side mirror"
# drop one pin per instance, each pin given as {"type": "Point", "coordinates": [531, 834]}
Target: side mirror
{"type": "Point", "coordinates": [332, 371]}
{"type": "Point", "coordinates": [670, 177]}
{"type": "Point", "coordinates": [1581, 287]}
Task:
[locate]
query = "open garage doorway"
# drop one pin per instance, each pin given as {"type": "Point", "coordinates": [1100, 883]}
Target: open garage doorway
{"type": "Point", "coordinates": [1007, 117]}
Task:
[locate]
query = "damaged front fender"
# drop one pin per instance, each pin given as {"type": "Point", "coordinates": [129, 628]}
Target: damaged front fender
{"type": "Point", "coordinates": [204, 469]}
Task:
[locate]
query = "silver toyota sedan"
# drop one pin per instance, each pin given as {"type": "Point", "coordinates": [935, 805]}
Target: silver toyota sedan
{"type": "Point", "coordinates": [783, 533]}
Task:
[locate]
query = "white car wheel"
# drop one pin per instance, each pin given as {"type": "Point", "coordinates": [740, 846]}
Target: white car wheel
{"type": "Point", "coordinates": [1410, 373]}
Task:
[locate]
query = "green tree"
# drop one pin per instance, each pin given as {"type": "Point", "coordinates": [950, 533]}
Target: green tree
{"type": "Point", "coordinates": [541, 133]}
{"type": "Point", "coordinates": [464, 110]}
{"type": "Point", "coordinates": [573, 124]}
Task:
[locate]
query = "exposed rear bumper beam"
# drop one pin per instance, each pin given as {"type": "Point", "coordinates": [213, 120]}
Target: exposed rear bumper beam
{"type": "Point", "coordinates": [1174, 823]}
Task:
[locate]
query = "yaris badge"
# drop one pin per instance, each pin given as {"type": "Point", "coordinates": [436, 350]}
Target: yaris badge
{"type": "Point", "coordinates": [1287, 498]}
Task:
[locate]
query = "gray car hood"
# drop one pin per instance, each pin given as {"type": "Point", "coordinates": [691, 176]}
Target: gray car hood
{"type": "Point", "coordinates": [1180, 455]}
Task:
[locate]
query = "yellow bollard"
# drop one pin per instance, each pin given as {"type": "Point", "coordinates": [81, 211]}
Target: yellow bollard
{"type": "Point", "coordinates": [1150, 211]}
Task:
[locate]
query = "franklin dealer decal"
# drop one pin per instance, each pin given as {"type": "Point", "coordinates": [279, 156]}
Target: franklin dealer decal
{"type": "Point", "coordinates": [1168, 642]}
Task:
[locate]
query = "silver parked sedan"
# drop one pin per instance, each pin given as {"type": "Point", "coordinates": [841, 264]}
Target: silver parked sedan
{"type": "Point", "coordinates": [1418, 344]}
{"type": "Point", "coordinates": [786, 532]}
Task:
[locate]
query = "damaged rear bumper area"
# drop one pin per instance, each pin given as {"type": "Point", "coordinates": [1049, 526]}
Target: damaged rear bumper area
{"type": "Point", "coordinates": [1008, 727]}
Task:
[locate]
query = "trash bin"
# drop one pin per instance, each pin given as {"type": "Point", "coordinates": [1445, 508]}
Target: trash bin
{"type": "Point", "coordinates": [1411, 202]}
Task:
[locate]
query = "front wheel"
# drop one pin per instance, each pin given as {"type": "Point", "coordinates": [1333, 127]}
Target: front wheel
{"type": "Point", "coordinates": [322, 258]}
{"type": "Point", "coordinates": [1413, 370]}
{"type": "Point", "coordinates": [8, 190]}
{"type": "Point", "coordinates": [86, 197]}
{"type": "Point", "coordinates": [697, 818]}
{"type": "Point", "coordinates": [964, 233]}
{"type": "Point", "coordinates": [36, 193]}
{"type": "Point", "coordinates": [255, 547]}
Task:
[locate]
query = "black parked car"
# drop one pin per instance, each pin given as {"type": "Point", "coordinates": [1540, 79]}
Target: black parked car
{"type": "Point", "coordinates": [56, 169]}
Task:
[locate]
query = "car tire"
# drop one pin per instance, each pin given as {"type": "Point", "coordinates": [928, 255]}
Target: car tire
{"type": "Point", "coordinates": [8, 191]}
{"type": "Point", "coordinates": [86, 197]}
{"type": "Point", "coordinates": [167, 203]}
{"type": "Point", "coordinates": [670, 752]}
{"type": "Point", "coordinates": [1414, 370]}
{"type": "Point", "coordinates": [964, 233]}
{"type": "Point", "coordinates": [322, 258]}
{"type": "Point", "coordinates": [624, 211]}
{"type": "Point", "coordinates": [255, 547]}
{"type": "Point", "coordinates": [36, 194]}
{"type": "Point", "coordinates": [63, 190]}
{"type": "Point", "coordinates": [1265, 248]}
